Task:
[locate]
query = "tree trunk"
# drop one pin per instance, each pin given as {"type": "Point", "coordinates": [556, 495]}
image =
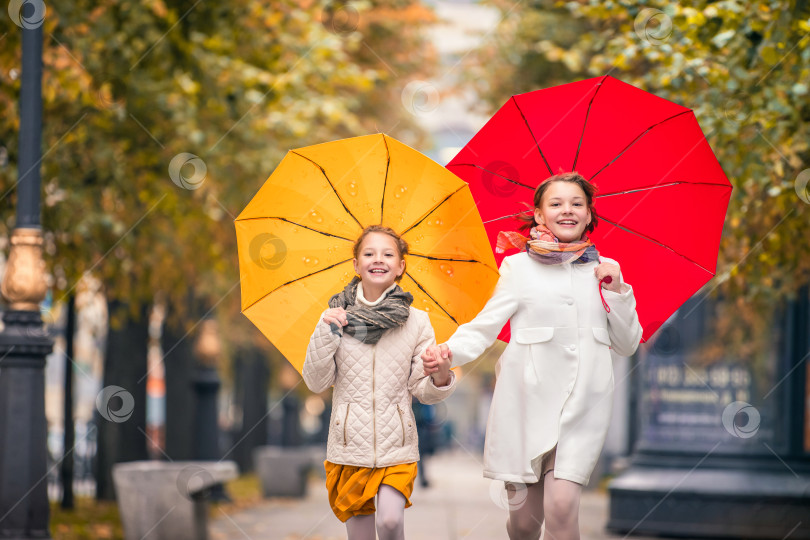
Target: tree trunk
{"type": "Point", "coordinates": [179, 363]}
{"type": "Point", "coordinates": [251, 379]}
{"type": "Point", "coordinates": [121, 405]}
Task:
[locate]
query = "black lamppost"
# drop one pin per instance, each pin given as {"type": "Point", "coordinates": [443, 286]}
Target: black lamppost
{"type": "Point", "coordinates": [24, 511]}
{"type": "Point", "coordinates": [206, 384]}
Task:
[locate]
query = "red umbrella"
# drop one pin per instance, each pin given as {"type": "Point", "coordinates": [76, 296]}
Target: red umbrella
{"type": "Point", "coordinates": [662, 194]}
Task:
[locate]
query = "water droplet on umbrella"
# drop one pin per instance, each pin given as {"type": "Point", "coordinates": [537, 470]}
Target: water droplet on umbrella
{"type": "Point", "coordinates": [316, 217]}
{"type": "Point", "coordinates": [310, 261]}
{"type": "Point", "coordinates": [447, 269]}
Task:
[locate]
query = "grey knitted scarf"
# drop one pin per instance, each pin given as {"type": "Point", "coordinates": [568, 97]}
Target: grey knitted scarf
{"type": "Point", "coordinates": [366, 323]}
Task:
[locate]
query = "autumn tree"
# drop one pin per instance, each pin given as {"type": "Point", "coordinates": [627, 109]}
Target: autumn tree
{"type": "Point", "coordinates": [160, 121]}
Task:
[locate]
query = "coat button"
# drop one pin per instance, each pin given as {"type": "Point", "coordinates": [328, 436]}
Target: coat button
{"type": "Point", "coordinates": [337, 422]}
{"type": "Point", "coordinates": [572, 348]}
{"type": "Point", "coordinates": [409, 424]}
{"type": "Point", "coordinates": [569, 301]}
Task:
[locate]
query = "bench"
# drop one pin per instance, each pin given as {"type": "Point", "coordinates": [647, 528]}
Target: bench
{"type": "Point", "coordinates": [161, 500]}
{"type": "Point", "coordinates": [283, 471]}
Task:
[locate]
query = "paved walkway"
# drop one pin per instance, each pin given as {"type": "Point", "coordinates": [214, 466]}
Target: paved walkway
{"type": "Point", "coordinates": [459, 504]}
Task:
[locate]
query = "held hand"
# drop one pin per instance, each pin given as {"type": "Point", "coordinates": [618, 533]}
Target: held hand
{"type": "Point", "coordinates": [442, 375]}
{"type": "Point", "coordinates": [336, 316]}
{"type": "Point", "coordinates": [608, 272]}
{"type": "Point", "coordinates": [436, 361]}
{"type": "Point", "coordinates": [430, 358]}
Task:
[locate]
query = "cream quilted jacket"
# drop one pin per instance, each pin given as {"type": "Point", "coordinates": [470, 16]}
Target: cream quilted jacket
{"type": "Point", "coordinates": [372, 422]}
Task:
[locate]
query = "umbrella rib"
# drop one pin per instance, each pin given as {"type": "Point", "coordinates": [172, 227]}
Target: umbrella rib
{"type": "Point", "coordinates": [423, 218]}
{"type": "Point", "coordinates": [451, 260]}
{"type": "Point", "coordinates": [502, 176]}
{"type": "Point", "coordinates": [585, 123]}
{"type": "Point", "coordinates": [332, 186]}
{"type": "Point", "coordinates": [428, 257]}
{"type": "Point", "coordinates": [654, 241]}
{"type": "Point", "coordinates": [657, 186]}
{"type": "Point", "coordinates": [385, 180]}
{"type": "Point", "coordinates": [634, 141]}
{"type": "Point", "coordinates": [294, 280]}
{"type": "Point", "coordinates": [298, 225]}
{"type": "Point", "coordinates": [429, 296]}
{"type": "Point", "coordinates": [532, 134]}
{"type": "Point", "coordinates": [504, 217]}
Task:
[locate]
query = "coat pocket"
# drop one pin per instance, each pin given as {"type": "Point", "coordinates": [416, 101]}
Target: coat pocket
{"type": "Point", "coordinates": [527, 336]}
{"type": "Point", "coordinates": [340, 424]}
{"type": "Point", "coordinates": [601, 335]}
{"type": "Point", "coordinates": [535, 338]}
{"type": "Point", "coordinates": [406, 422]}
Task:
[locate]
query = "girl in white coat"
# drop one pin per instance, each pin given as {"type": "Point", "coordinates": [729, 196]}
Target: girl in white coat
{"type": "Point", "coordinates": [368, 345]}
{"type": "Point", "coordinates": [551, 406]}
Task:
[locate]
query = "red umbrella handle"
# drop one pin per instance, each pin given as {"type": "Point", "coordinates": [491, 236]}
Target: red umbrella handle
{"type": "Point", "coordinates": [608, 280]}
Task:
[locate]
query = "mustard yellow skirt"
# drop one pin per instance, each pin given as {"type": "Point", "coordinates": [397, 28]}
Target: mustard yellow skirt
{"type": "Point", "coordinates": [352, 489]}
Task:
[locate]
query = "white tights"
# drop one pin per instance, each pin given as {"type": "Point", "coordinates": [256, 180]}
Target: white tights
{"type": "Point", "coordinates": [390, 518]}
{"type": "Point", "coordinates": [554, 499]}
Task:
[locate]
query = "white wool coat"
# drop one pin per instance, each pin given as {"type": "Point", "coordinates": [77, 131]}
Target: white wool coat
{"type": "Point", "coordinates": [555, 377]}
{"type": "Point", "coordinates": [372, 423]}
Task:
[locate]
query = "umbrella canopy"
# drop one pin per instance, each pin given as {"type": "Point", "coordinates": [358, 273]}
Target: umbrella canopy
{"type": "Point", "coordinates": [295, 237]}
{"type": "Point", "coordinates": [662, 194]}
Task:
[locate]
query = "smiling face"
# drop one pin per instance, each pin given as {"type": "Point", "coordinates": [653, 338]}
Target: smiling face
{"type": "Point", "coordinates": [564, 210]}
{"type": "Point", "coordinates": [378, 262]}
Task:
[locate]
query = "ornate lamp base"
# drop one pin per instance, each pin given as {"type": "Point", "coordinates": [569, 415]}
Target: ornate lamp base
{"type": "Point", "coordinates": [24, 510]}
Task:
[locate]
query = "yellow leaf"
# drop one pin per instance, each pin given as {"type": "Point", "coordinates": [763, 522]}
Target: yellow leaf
{"type": "Point", "coordinates": [769, 55]}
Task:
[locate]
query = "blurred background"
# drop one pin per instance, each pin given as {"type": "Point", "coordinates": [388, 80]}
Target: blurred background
{"type": "Point", "coordinates": [161, 119]}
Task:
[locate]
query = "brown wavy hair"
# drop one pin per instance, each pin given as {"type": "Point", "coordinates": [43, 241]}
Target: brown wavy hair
{"type": "Point", "coordinates": [527, 217]}
{"type": "Point", "coordinates": [402, 245]}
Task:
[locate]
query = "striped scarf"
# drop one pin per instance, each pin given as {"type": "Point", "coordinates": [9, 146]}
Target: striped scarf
{"type": "Point", "coordinates": [366, 323]}
{"type": "Point", "coordinates": [544, 247]}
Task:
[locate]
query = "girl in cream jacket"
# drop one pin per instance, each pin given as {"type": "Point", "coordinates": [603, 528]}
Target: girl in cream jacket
{"type": "Point", "coordinates": [368, 345]}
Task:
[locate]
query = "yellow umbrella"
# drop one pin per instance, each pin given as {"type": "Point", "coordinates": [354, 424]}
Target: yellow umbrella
{"type": "Point", "coordinates": [295, 236]}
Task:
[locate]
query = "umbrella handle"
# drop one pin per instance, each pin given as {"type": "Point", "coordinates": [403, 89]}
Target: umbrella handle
{"type": "Point", "coordinates": [608, 280]}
